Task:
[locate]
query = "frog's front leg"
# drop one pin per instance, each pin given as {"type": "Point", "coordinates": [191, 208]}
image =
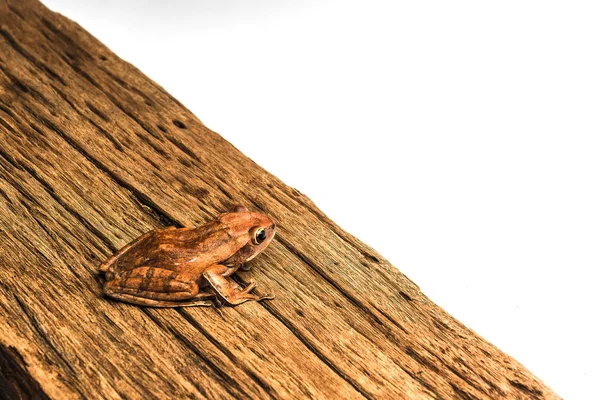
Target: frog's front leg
{"type": "Point", "coordinates": [156, 287]}
{"type": "Point", "coordinates": [230, 291]}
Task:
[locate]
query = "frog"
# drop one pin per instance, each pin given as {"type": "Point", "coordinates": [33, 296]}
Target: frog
{"type": "Point", "coordinates": [190, 266]}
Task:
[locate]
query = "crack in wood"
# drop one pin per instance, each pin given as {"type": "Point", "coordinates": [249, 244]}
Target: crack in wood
{"type": "Point", "coordinates": [118, 146]}
{"type": "Point", "coordinates": [43, 335]}
{"type": "Point", "coordinates": [392, 320]}
{"type": "Point", "coordinates": [40, 65]}
{"type": "Point", "coordinates": [357, 303]}
{"type": "Point", "coordinates": [529, 391]}
{"type": "Point", "coordinates": [14, 11]}
{"type": "Point", "coordinates": [15, 380]}
{"type": "Point", "coordinates": [64, 205]}
{"type": "Point", "coordinates": [26, 88]}
{"type": "Point", "coordinates": [183, 148]}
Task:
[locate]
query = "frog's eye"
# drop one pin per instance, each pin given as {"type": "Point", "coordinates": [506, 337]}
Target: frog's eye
{"type": "Point", "coordinates": [259, 235]}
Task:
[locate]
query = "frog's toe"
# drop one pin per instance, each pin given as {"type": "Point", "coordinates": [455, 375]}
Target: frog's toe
{"type": "Point", "coordinates": [266, 296]}
{"type": "Point", "coordinates": [251, 285]}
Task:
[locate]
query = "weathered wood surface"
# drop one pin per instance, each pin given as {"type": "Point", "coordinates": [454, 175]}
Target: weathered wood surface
{"type": "Point", "coordinates": [92, 155]}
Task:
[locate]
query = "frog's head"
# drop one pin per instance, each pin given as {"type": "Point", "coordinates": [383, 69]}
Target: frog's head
{"type": "Point", "coordinates": [254, 231]}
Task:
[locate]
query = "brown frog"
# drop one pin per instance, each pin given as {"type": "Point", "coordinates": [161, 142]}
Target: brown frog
{"type": "Point", "coordinates": [176, 267]}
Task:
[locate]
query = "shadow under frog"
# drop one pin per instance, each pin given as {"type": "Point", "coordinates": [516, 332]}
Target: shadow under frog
{"type": "Point", "coordinates": [176, 267]}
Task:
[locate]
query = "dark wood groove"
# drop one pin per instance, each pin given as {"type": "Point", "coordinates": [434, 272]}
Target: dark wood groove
{"type": "Point", "coordinates": [15, 380]}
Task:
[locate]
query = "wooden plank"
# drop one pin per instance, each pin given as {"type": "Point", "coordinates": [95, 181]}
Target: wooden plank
{"type": "Point", "coordinates": [67, 192]}
{"type": "Point", "coordinates": [94, 154]}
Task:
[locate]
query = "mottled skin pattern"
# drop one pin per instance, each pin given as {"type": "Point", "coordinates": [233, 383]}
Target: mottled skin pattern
{"type": "Point", "coordinates": [176, 267]}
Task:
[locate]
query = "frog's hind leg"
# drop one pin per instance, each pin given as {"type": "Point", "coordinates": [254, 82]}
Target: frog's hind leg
{"type": "Point", "coordinates": [142, 301]}
{"type": "Point", "coordinates": [107, 265]}
{"type": "Point", "coordinates": [156, 287]}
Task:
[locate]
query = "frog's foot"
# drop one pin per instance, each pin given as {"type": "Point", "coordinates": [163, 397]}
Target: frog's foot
{"type": "Point", "coordinates": [156, 287]}
{"type": "Point", "coordinates": [230, 291]}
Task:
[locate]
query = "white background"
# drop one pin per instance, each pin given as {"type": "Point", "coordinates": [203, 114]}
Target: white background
{"type": "Point", "coordinates": [468, 129]}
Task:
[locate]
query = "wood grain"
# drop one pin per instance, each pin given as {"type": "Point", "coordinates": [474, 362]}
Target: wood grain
{"type": "Point", "coordinates": [92, 155]}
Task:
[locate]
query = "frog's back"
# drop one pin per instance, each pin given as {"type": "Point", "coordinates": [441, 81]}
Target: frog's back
{"type": "Point", "coordinates": [171, 247]}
